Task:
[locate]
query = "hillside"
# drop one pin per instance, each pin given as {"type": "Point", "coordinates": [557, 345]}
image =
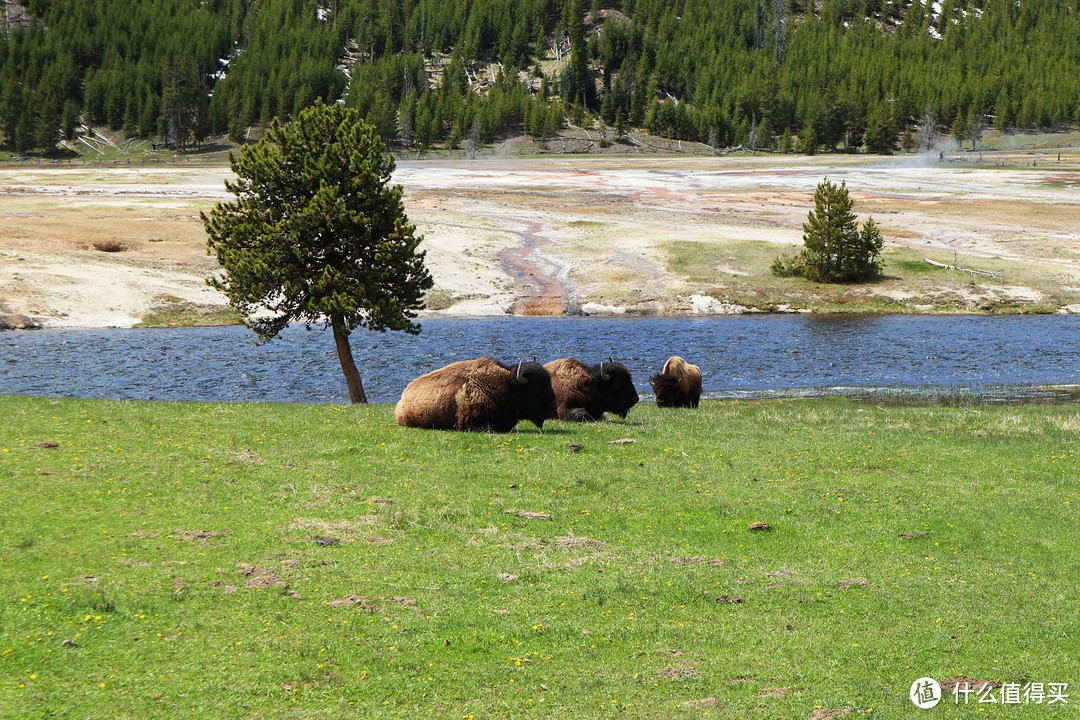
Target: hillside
{"type": "Point", "coordinates": [841, 74]}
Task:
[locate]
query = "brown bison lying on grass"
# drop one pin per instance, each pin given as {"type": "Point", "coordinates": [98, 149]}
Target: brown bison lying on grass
{"type": "Point", "coordinates": [585, 392]}
{"type": "Point", "coordinates": [478, 395]}
{"type": "Point", "coordinates": [679, 385]}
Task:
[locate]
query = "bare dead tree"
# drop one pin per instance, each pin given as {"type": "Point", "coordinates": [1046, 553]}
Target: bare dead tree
{"type": "Point", "coordinates": [781, 30]}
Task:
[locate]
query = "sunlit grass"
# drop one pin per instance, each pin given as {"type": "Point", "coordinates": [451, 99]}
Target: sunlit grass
{"type": "Point", "coordinates": [161, 560]}
{"type": "Point", "coordinates": [174, 312]}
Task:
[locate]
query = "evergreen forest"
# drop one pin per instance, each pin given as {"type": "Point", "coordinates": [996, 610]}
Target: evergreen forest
{"type": "Point", "coordinates": [812, 75]}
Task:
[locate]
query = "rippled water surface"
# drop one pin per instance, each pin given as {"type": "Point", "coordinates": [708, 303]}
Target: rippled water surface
{"type": "Point", "coordinates": [744, 356]}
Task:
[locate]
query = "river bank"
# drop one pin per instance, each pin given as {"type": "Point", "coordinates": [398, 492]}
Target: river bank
{"type": "Point", "coordinates": [98, 246]}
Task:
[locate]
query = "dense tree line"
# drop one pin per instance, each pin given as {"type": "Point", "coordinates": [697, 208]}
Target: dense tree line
{"type": "Point", "coordinates": [792, 73]}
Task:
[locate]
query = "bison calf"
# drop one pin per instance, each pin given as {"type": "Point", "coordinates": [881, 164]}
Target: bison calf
{"type": "Point", "coordinates": [678, 385]}
{"type": "Point", "coordinates": [586, 392]}
{"type": "Point", "coordinates": [478, 395]}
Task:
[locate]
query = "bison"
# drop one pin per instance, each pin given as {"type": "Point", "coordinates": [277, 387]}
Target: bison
{"type": "Point", "coordinates": [678, 385]}
{"type": "Point", "coordinates": [478, 395]}
{"type": "Point", "coordinates": [586, 392]}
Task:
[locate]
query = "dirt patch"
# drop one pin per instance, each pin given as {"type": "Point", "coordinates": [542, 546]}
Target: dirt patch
{"type": "Point", "coordinates": [677, 672]}
{"type": "Point", "coordinates": [135, 563]}
{"type": "Point", "coordinates": [968, 683]}
{"type": "Point", "coordinates": [227, 588]}
{"type": "Point", "coordinates": [528, 515]}
{"type": "Point", "coordinates": [354, 600]}
{"type": "Point", "coordinates": [192, 535]}
{"type": "Point", "coordinates": [260, 577]}
{"type": "Point", "coordinates": [709, 702]}
{"type": "Point", "coordinates": [331, 530]}
{"type": "Point", "coordinates": [697, 560]}
{"type": "Point", "coordinates": [774, 692]}
{"type": "Point", "coordinates": [830, 713]}
{"type": "Point", "coordinates": [569, 541]}
{"type": "Point", "coordinates": [786, 576]}
{"type": "Point", "coordinates": [110, 246]}
{"type": "Point", "coordinates": [247, 457]}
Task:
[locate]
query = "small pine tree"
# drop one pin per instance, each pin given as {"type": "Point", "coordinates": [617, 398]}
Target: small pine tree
{"type": "Point", "coordinates": [864, 261]}
{"type": "Point", "coordinates": [830, 230]}
{"type": "Point", "coordinates": [835, 250]}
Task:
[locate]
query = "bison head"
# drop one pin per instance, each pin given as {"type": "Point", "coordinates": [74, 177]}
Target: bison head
{"type": "Point", "coordinates": [667, 388]}
{"type": "Point", "coordinates": [530, 392]}
{"type": "Point", "coordinates": [615, 388]}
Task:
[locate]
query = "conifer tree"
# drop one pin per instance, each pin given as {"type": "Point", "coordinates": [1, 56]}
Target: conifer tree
{"type": "Point", "coordinates": [181, 98]}
{"type": "Point", "coordinates": [960, 127]}
{"type": "Point", "coordinates": [830, 229]}
{"type": "Point", "coordinates": [47, 131]}
{"type": "Point", "coordinates": [316, 234]}
{"type": "Point", "coordinates": [880, 136]}
{"type": "Point", "coordinates": [835, 250]}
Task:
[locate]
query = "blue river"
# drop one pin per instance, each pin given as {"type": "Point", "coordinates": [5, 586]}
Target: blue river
{"type": "Point", "coordinates": [989, 358]}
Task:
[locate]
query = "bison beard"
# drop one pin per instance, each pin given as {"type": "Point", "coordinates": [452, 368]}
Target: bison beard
{"type": "Point", "coordinates": [586, 392]}
{"type": "Point", "coordinates": [478, 395]}
{"type": "Point", "coordinates": [678, 385]}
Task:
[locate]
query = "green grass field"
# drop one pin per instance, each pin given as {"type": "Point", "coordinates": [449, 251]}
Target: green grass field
{"type": "Point", "coordinates": [314, 561]}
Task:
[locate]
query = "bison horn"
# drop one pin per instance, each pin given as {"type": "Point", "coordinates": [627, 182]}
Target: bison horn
{"type": "Point", "coordinates": [604, 376]}
{"type": "Point", "coordinates": [517, 376]}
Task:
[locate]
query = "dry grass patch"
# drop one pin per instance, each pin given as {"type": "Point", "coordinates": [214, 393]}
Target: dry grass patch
{"type": "Point", "coordinates": [260, 577]}
{"type": "Point", "coordinates": [110, 246]}
{"type": "Point", "coordinates": [677, 672]}
{"type": "Point", "coordinates": [345, 530]}
{"type": "Point", "coordinates": [830, 713]}
{"type": "Point", "coordinates": [584, 543]}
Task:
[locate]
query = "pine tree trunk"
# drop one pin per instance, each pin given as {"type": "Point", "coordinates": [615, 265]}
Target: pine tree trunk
{"type": "Point", "coordinates": [348, 366]}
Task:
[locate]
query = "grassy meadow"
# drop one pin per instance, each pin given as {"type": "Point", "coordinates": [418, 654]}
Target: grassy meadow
{"type": "Point", "coordinates": [167, 560]}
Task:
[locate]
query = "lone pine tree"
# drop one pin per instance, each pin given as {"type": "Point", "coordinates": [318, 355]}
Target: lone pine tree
{"type": "Point", "coordinates": [834, 249]}
{"type": "Point", "coordinates": [316, 234]}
